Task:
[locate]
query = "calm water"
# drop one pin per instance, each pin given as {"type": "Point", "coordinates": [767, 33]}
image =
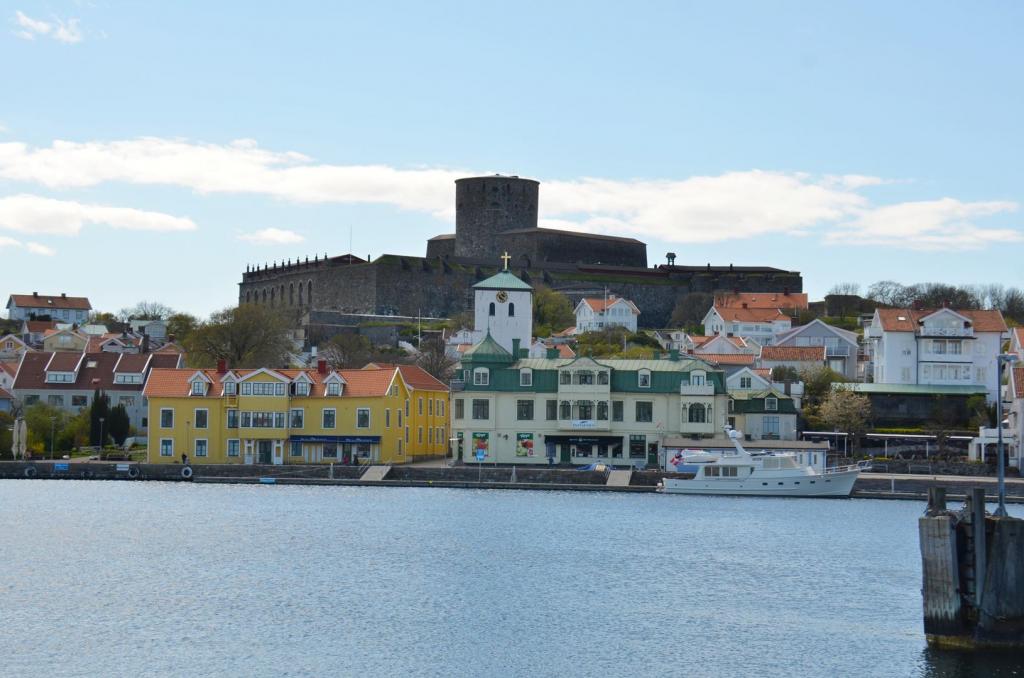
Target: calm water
{"type": "Point", "coordinates": [128, 579]}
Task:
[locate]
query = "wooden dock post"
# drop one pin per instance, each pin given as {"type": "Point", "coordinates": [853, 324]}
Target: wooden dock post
{"type": "Point", "coordinates": [972, 575]}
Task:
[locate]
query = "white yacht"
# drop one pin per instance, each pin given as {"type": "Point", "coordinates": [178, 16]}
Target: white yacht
{"type": "Point", "coordinates": [774, 474]}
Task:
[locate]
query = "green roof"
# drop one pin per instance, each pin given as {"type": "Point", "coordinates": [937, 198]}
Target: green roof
{"type": "Point", "coordinates": [686, 364]}
{"type": "Point", "coordinates": [909, 389]}
{"type": "Point", "coordinates": [488, 350]}
{"type": "Point", "coordinates": [502, 281]}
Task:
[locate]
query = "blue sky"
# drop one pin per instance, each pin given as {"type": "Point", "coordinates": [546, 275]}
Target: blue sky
{"type": "Point", "coordinates": [152, 150]}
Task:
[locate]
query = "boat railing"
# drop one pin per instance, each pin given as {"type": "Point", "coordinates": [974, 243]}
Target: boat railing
{"type": "Point", "coordinates": [843, 469]}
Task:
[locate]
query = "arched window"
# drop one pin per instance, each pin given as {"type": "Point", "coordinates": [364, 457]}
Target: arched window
{"type": "Point", "coordinates": [264, 296]}
{"type": "Point", "coordinates": [511, 310]}
{"type": "Point", "coordinates": [291, 294]}
{"type": "Point", "coordinates": [697, 414]}
{"type": "Point", "coordinates": [301, 286]}
{"type": "Point", "coordinates": [248, 296]}
{"type": "Point", "coordinates": [281, 297]}
{"type": "Point", "coordinates": [309, 293]}
{"type": "Point", "coordinates": [491, 309]}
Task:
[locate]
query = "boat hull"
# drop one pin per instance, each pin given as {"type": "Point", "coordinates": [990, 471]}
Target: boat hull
{"type": "Point", "coordinates": [839, 484]}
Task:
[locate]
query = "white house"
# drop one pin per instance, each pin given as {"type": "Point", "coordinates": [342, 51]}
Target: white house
{"type": "Point", "coordinates": [60, 308]}
{"type": "Point", "coordinates": [943, 347]}
{"type": "Point", "coordinates": [746, 381]}
{"type": "Point", "coordinates": [593, 315]}
{"type": "Point", "coordinates": [758, 316]}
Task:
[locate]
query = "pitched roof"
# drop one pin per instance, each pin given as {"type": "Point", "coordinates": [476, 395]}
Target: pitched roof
{"type": "Point", "coordinates": [756, 315]}
{"type": "Point", "coordinates": [49, 301]}
{"type": "Point", "coordinates": [793, 353]}
{"type": "Point", "coordinates": [763, 372]}
{"type": "Point", "coordinates": [4, 395]}
{"type": "Point", "coordinates": [1018, 382]}
{"type": "Point", "coordinates": [796, 300]}
{"type": "Point", "coordinates": [40, 326]}
{"type": "Point", "coordinates": [9, 367]}
{"type": "Point", "coordinates": [96, 370]}
{"type": "Point", "coordinates": [419, 379]}
{"type": "Point", "coordinates": [1019, 333]}
{"type": "Point", "coordinates": [503, 280]}
{"type": "Point", "coordinates": [599, 304]}
{"type": "Point", "coordinates": [908, 319]}
{"type": "Point", "coordinates": [488, 348]}
{"type": "Point", "coordinates": [727, 358]}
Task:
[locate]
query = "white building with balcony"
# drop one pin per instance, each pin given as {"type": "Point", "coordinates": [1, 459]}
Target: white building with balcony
{"type": "Point", "coordinates": [943, 347]}
{"type": "Point", "coordinates": [596, 314]}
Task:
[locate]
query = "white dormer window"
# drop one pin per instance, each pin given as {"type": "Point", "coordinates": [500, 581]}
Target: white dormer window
{"type": "Point", "coordinates": [526, 377]}
{"type": "Point", "coordinates": [60, 377]}
{"type": "Point", "coordinates": [481, 376]}
{"type": "Point", "coordinates": [643, 379]}
{"type": "Point", "coordinates": [744, 382]}
{"type": "Point", "coordinates": [230, 388]}
{"type": "Point", "coordinates": [198, 387]}
{"type": "Point", "coordinates": [771, 404]}
{"type": "Point", "coordinates": [333, 388]}
{"type": "Point", "coordinates": [698, 378]}
{"type": "Point", "coordinates": [302, 388]}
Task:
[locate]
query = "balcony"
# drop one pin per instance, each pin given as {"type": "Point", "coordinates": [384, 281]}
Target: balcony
{"type": "Point", "coordinates": [697, 389]}
{"type": "Point", "coordinates": [926, 331]}
{"type": "Point", "coordinates": [837, 351]}
{"type": "Point", "coordinates": [456, 385]}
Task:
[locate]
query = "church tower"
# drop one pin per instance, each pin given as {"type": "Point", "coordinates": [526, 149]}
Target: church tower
{"type": "Point", "coordinates": [503, 306]}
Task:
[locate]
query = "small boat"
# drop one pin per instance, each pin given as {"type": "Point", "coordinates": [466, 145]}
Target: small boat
{"type": "Point", "coordinates": [766, 474]}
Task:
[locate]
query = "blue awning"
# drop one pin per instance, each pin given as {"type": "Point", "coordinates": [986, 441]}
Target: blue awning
{"type": "Point", "coordinates": [335, 439]}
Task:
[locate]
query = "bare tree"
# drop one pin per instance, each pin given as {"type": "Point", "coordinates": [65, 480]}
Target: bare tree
{"type": "Point", "coordinates": [848, 412]}
{"type": "Point", "coordinates": [434, 359]}
{"type": "Point", "coordinates": [251, 335]}
{"type": "Point", "coordinates": [846, 289]}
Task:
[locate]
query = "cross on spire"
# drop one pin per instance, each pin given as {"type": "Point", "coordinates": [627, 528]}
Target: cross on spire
{"type": "Point", "coordinates": [506, 257]}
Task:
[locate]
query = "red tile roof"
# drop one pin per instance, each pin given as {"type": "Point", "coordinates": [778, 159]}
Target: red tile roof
{"type": "Point", "coordinates": [10, 368]}
{"type": "Point", "coordinates": [600, 303]}
{"type": "Point", "coordinates": [793, 353]}
{"type": "Point", "coordinates": [747, 315]}
{"type": "Point", "coordinates": [907, 319]}
{"type": "Point", "coordinates": [1018, 382]}
{"type": "Point", "coordinates": [419, 379]}
{"type": "Point", "coordinates": [1019, 333]}
{"type": "Point", "coordinates": [727, 358]}
{"type": "Point", "coordinates": [796, 300]}
{"type": "Point", "coordinates": [763, 372]}
{"type": "Point", "coordinates": [40, 326]}
{"type": "Point", "coordinates": [48, 301]}
{"type": "Point", "coordinates": [4, 395]}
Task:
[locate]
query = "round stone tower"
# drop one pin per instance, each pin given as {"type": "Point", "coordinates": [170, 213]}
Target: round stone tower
{"type": "Point", "coordinates": [487, 206]}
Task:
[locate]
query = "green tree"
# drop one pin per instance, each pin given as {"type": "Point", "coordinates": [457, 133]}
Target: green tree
{"type": "Point", "coordinates": [818, 384]}
{"type": "Point", "coordinates": [552, 312]}
{"type": "Point", "coordinates": [181, 326]}
{"type": "Point", "coordinates": [99, 410]}
{"type": "Point", "coordinates": [979, 412]}
{"type": "Point", "coordinates": [119, 424]}
{"type": "Point", "coordinates": [847, 412]}
{"type": "Point", "coordinates": [43, 421]}
{"type": "Point", "coordinates": [251, 335]}
{"type": "Point", "coordinates": [6, 435]}
{"type": "Point", "coordinates": [347, 351]}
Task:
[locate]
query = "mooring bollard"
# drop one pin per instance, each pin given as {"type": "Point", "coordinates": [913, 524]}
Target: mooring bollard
{"type": "Point", "coordinates": [936, 501]}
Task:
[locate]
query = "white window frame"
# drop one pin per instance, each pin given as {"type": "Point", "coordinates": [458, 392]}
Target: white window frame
{"type": "Point", "coordinates": [771, 404]}
{"type": "Point", "coordinates": [526, 377]}
{"type": "Point", "coordinates": [200, 386]}
{"type": "Point", "coordinates": [195, 417]}
{"type": "Point", "coordinates": [170, 450]}
{"type": "Point", "coordinates": [481, 376]}
{"type": "Point", "coordinates": [323, 418]}
{"type": "Point", "coordinates": [640, 378]}
{"type": "Point", "coordinates": [368, 422]}
{"type": "Point", "coordinates": [206, 447]}
{"type": "Point", "coordinates": [302, 417]}
{"type": "Point", "coordinates": [166, 409]}
{"type": "Point", "coordinates": [237, 447]}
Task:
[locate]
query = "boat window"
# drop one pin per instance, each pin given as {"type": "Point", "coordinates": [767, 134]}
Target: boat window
{"type": "Point", "coordinates": [729, 471]}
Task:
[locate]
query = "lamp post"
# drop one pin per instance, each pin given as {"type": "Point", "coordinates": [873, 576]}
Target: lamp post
{"type": "Point", "coordinates": [101, 437]}
{"type": "Point", "coordinates": [1000, 359]}
{"type": "Point", "coordinates": [53, 424]}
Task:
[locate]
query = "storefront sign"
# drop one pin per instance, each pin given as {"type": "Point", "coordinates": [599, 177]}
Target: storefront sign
{"type": "Point", "coordinates": [583, 423]}
{"type": "Point", "coordinates": [481, 445]}
{"type": "Point", "coordinates": [524, 444]}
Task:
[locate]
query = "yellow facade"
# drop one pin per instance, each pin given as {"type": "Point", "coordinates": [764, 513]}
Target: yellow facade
{"type": "Point", "coordinates": [399, 425]}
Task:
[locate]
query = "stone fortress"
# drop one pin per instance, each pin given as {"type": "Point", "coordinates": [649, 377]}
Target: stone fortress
{"type": "Point", "coordinates": [496, 214]}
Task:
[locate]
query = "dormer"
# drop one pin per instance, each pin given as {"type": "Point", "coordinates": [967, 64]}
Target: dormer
{"type": "Point", "coordinates": [334, 385]}
{"type": "Point", "coordinates": [301, 385]}
{"type": "Point", "coordinates": [248, 385]}
{"type": "Point", "coordinates": [229, 384]}
{"type": "Point", "coordinates": [199, 384]}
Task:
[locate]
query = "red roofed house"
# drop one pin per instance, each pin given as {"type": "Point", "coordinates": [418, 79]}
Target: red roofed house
{"type": "Point", "coordinates": [596, 314]}
{"type": "Point", "coordinates": [799, 357]}
{"type": "Point", "coordinates": [68, 380]}
{"type": "Point", "coordinates": [61, 308]}
{"type": "Point", "coordinates": [758, 316]}
{"type": "Point", "coordinates": [943, 348]}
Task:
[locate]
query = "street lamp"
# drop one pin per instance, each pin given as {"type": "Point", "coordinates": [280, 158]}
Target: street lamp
{"type": "Point", "coordinates": [101, 437]}
{"type": "Point", "coordinates": [53, 424]}
{"type": "Point", "coordinates": [1000, 359]}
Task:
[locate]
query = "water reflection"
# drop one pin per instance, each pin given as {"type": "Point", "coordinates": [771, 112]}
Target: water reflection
{"type": "Point", "coordinates": [957, 664]}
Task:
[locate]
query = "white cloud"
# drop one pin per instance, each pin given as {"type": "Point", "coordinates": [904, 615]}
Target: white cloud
{"type": "Point", "coordinates": [272, 236]}
{"type": "Point", "coordinates": [701, 209]}
{"type": "Point", "coordinates": [38, 215]}
{"type": "Point", "coordinates": [33, 247]}
{"type": "Point", "coordinates": [29, 28]}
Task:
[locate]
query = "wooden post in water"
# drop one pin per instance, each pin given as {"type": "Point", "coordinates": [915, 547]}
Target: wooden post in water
{"type": "Point", "coordinates": [972, 575]}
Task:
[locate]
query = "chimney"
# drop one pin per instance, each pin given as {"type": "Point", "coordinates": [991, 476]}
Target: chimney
{"type": "Point", "coordinates": [321, 366]}
{"type": "Point", "coordinates": [145, 343]}
{"type": "Point", "coordinates": [673, 354]}
{"type": "Point", "coordinates": [35, 294]}
{"type": "Point", "coordinates": [222, 365]}
{"type": "Point", "coordinates": [785, 291]}
{"type": "Point", "coordinates": [515, 349]}
{"type": "Point", "coordinates": [552, 353]}
{"type": "Point", "coordinates": [63, 295]}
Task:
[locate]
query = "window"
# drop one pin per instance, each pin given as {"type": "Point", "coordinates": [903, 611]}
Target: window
{"type": "Point", "coordinates": [637, 446]}
{"type": "Point", "coordinates": [419, 406]}
{"type": "Point", "coordinates": [770, 426]}
{"type": "Point", "coordinates": [602, 377]}
{"type": "Point", "coordinates": [481, 408]}
{"type": "Point", "coordinates": [551, 410]}
{"type": "Point", "coordinates": [440, 408]}
{"type": "Point", "coordinates": [744, 382]}
{"type": "Point", "coordinates": [771, 404]}
{"type": "Point", "coordinates": [524, 410]}
{"type": "Point", "coordinates": [617, 410]}
{"type": "Point", "coordinates": [328, 418]}
{"type": "Point", "coordinates": [296, 448]}
{"type": "Point", "coordinates": [201, 447]}
{"type": "Point", "coordinates": [602, 410]}
{"type": "Point", "coordinates": [696, 414]}
{"type": "Point", "coordinates": [333, 388]}
{"type": "Point", "coordinates": [232, 418]}
{"type": "Point", "coordinates": [697, 379]}
{"type": "Point", "coordinates": [246, 419]}
{"type": "Point", "coordinates": [565, 410]}
{"type": "Point", "coordinates": [79, 401]}
{"type": "Point", "coordinates": [490, 309]}
{"type": "Point", "coordinates": [644, 411]}
{"type": "Point", "coordinates": [419, 435]}
{"type": "Point", "coordinates": [55, 400]}
{"type": "Point", "coordinates": [60, 377]}
{"type": "Point", "coordinates": [297, 418]}
{"type": "Point", "coordinates": [905, 374]}
{"type": "Point", "coordinates": [278, 419]}
{"type": "Point", "coordinates": [430, 436]}
{"type": "Point", "coordinates": [481, 376]}
{"type": "Point", "coordinates": [387, 418]}
{"type": "Point", "coordinates": [202, 418]}
{"type": "Point", "coordinates": [301, 388]}
{"type": "Point", "coordinates": [406, 408]}
{"type": "Point", "coordinates": [330, 450]}
{"type": "Point", "coordinates": [526, 377]}
{"type": "Point", "coordinates": [399, 418]}
{"type": "Point", "coordinates": [511, 310]}
{"type": "Point", "coordinates": [166, 447]}
{"type": "Point", "coordinates": [166, 418]}
{"type": "Point", "coordinates": [565, 378]}
{"type": "Point", "coordinates": [246, 388]}
{"type": "Point", "coordinates": [430, 407]}
{"type": "Point", "coordinates": [363, 417]}
{"type": "Point", "coordinates": [460, 409]}
{"type": "Point", "coordinates": [585, 409]}
{"type": "Point", "coordinates": [643, 379]}
{"type": "Point", "coordinates": [198, 388]}
{"type": "Point", "coordinates": [230, 388]}
{"type": "Point", "coordinates": [233, 447]}
{"type": "Point", "coordinates": [584, 377]}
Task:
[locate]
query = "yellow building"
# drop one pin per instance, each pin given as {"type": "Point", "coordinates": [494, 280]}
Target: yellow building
{"type": "Point", "coordinates": [380, 414]}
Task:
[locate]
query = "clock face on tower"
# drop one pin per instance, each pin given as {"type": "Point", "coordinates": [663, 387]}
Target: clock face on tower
{"type": "Point", "coordinates": [502, 296]}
